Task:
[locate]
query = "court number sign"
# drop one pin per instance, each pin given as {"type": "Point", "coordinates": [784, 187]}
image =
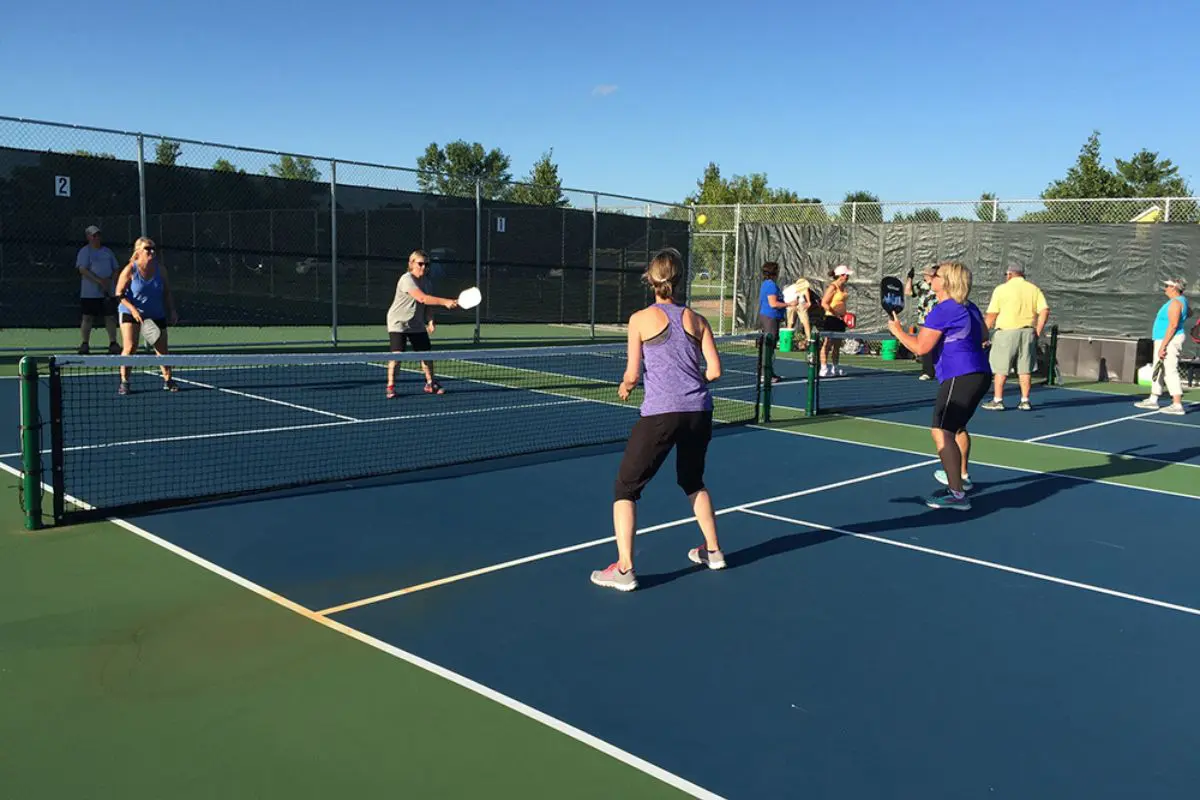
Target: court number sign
{"type": "Point", "coordinates": [62, 186]}
{"type": "Point", "coordinates": [501, 224]}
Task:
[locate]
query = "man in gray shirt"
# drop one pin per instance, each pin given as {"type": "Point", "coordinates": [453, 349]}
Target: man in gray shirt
{"type": "Point", "coordinates": [97, 273]}
{"type": "Point", "coordinates": [410, 320]}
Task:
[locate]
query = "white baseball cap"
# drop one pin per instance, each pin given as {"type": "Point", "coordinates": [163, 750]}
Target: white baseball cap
{"type": "Point", "coordinates": [841, 269]}
{"type": "Point", "coordinates": [91, 229]}
{"type": "Point", "coordinates": [1178, 283]}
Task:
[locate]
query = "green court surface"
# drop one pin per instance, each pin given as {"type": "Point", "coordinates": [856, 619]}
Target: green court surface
{"type": "Point", "coordinates": [161, 678]}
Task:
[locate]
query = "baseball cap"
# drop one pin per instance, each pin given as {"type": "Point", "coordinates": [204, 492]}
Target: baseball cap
{"type": "Point", "coordinates": [91, 229]}
{"type": "Point", "coordinates": [1178, 283]}
{"type": "Point", "coordinates": [841, 269]}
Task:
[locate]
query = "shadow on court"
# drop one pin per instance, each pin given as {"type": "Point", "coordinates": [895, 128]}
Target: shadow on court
{"type": "Point", "coordinates": [987, 497]}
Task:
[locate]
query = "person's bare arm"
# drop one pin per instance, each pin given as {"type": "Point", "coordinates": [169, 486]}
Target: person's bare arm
{"type": "Point", "coordinates": [122, 287]}
{"type": "Point", "coordinates": [633, 358]}
{"type": "Point", "coordinates": [708, 346]}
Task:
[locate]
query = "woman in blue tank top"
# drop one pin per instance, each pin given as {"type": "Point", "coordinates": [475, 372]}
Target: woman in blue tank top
{"type": "Point", "coordinates": [677, 348]}
{"type": "Point", "coordinates": [145, 295]}
{"type": "Point", "coordinates": [1167, 334]}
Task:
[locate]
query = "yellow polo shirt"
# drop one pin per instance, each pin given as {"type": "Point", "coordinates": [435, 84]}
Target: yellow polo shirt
{"type": "Point", "coordinates": [1016, 304]}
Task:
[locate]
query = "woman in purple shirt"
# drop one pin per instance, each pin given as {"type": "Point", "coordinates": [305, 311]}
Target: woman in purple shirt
{"type": "Point", "coordinates": [953, 332]}
{"type": "Point", "coordinates": [681, 359]}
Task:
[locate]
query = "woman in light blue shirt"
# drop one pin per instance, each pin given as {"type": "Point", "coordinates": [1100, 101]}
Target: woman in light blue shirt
{"type": "Point", "coordinates": [1168, 341]}
{"type": "Point", "coordinates": [145, 294]}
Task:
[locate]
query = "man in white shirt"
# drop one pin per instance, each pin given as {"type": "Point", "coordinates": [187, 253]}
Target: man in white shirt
{"type": "Point", "coordinates": [98, 272]}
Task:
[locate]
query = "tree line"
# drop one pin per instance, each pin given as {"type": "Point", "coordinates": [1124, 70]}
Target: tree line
{"type": "Point", "coordinates": [454, 169]}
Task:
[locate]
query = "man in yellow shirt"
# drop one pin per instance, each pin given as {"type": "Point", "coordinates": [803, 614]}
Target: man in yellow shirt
{"type": "Point", "coordinates": [1017, 312]}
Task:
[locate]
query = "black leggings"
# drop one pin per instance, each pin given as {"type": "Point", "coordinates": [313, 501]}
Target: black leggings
{"type": "Point", "coordinates": [651, 440]}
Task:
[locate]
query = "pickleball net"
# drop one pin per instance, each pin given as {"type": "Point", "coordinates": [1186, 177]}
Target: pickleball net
{"type": "Point", "coordinates": [243, 424]}
{"type": "Point", "coordinates": [875, 375]}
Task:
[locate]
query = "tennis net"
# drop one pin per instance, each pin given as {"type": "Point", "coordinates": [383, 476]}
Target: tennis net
{"type": "Point", "coordinates": [876, 376]}
{"type": "Point", "coordinates": [240, 424]}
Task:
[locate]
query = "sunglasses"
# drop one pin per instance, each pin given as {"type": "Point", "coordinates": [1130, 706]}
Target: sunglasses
{"type": "Point", "coordinates": [421, 263]}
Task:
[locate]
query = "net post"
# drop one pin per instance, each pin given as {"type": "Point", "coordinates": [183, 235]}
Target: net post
{"type": "Point", "coordinates": [768, 375]}
{"type": "Point", "coordinates": [333, 251]}
{"type": "Point", "coordinates": [1052, 356]}
{"type": "Point", "coordinates": [31, 451]}
{"type": "Point", "coordinates": [814, 357]}
{"type": "Point", "coordinates": [56, 442]}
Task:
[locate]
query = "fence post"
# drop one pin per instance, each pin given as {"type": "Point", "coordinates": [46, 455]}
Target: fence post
{"type": "Point", "coordinates": [141, 155]}
{"type": "Point", "coordinates": [1167, 210]}
{"type": "Point", "coordinates": [478, 254]}
{"type": "Point", "coordinates": [721, 301]}
{"type": "Point", "coordinates": [737, 221]}
{"type": "Point", "coordinates": [333, 248]}
{"type": "Point", "coordinates": [595, 222]}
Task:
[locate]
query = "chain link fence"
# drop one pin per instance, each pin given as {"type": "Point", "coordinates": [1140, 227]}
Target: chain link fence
{"type": "Point", "coordinates": [266, 248]}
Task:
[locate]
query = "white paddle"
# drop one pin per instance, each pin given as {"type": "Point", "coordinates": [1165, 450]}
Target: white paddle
{"type": "Point", "coordinates": [150, 331]}
{"type": "Point", "coordinates": [469, 298]}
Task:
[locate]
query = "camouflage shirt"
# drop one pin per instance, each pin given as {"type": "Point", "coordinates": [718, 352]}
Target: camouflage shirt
{"type": "Point", "coordinates": [924, 298]}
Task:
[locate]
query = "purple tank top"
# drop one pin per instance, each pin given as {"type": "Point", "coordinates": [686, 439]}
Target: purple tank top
{"type": "Point", "coordinates": [673, 369]}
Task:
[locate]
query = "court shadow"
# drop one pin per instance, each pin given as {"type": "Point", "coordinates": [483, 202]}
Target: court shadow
{"type": "Point", "coordinates": [987, 497]}
{"type": "Point", "coordinates": [742, 557]}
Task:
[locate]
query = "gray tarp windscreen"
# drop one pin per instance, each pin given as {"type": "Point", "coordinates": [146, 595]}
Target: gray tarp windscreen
{"type": "Point", "coordinates": [1102, 280]}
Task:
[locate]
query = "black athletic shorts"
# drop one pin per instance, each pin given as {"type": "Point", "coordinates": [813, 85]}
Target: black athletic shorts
{"type": "Point", "coordinates": [957, 400]}
{"type": "Point", "coordinates": [399, 341]}
{"type": "Point", "coordinates": [128, 319]}
{"type": "Point", "coordinates": [651, 440]}
{"type": "Point", "coordinates": [97, 307]}
{"type": "Point", "coordinates": [833, 323]}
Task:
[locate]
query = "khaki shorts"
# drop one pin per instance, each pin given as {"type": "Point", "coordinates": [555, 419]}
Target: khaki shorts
{"type": "Point", "coordinates": [1018, 345]}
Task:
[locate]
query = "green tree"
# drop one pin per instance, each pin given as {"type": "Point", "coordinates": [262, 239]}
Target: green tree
{"type": "Point", "coordinates": [860, 206]}
{"type": "Point", "coordinates": [712, 189]}
{"type": "Point", "coordinates": [453, 170]}
{"type": "Point", "coordinates": [541, 187]}
{"type": "Point", "coordinates": [987, 207]}
{"type": "Point", "coordinates": [919, 215]}
{"type": "Point", "coordinates": [90, 154]}
{"type": "Point", "coordinates": [1146, 175]}
{"type": "Point", "coordinates": [223, 165]}
{"type": "Point", "coordinates": [167, 152]}
{"type": "Point", "coordinates": [296, 168]}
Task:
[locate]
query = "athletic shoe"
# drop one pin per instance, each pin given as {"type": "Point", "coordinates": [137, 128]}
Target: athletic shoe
{"type": "Point", "coordinates": [1149, 402]}
{"type": "Point", "coordinates": [170, 386]}
{"type": "Point", "coordinates": [701, 555]}
{"type": "Point", "coordinates": [613, 578]}
{"type": "Point", "coordinates": [114, 349]}
{"type": "Point", "coordinates": [993, 405]}
{"type": "Point", "coordinates": [944, 499]}
{"type": "Point", "coordinates": [123, 388]}
{"type": "Point", "coordinates": [1174, 410]}
{"type": "Point", "coordinates": [391, 392]}
{"type": "Point", "coordinates": [940, 477]}
{"type": "Point", "coordinates": [924, 377]}
{"type": "Point", "coordinates": [1024, 405]}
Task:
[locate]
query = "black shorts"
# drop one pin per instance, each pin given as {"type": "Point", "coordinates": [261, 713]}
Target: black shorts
{"type": "Point", "coordinates": [96, 307]}
{"type": "Point", "coordinates": [651, 440]}
{"type": "Point", "coordinates": [399, 341]}
{"type": "Point", "coordinates": [127, 319]}
{"type": "Point", "coordinates": [958, 399]}
{"type": "Point", "coordinates": [832, 323]}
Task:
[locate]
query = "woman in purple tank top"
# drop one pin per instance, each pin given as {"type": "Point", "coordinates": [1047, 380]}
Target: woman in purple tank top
{"type": "Point", "coordinates": [676, 346]}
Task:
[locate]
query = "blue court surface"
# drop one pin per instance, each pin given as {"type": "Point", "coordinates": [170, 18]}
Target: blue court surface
{"type": "Point", "coordinates": [859, 644]}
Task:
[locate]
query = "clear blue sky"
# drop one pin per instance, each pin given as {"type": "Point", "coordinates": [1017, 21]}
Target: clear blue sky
{"type": "Point", "coordinates": [913, 100]}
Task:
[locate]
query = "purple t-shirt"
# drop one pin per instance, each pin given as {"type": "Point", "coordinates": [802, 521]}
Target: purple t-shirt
{"type": "Point", "coordinates": [959, 351]}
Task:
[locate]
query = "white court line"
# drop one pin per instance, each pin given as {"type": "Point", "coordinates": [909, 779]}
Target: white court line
{"type": "Point", "coordinates": [311, 426]}
{"type": "Point", "coordinates": [554, 723]}
{"type": "Point", "coordinates": [1171, 422]}
{"type": "Point", "coordinates": [1101, 481]}
{"type": "Point", "coordinates": [1123, 456]}
{"type": "Point", "coordinates": [607, 539]}
{"type": "Point", "coordinates": [1088, 427]}
{"type": "Point", "coordinates": [1041, 576]}
{"type": "Point", "coordinates": [267, 399]}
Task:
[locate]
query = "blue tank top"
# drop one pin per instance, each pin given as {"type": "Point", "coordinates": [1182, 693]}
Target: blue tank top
{"type": "Point", "coordinates": [1163, 320]}
{"type": "Point", "coordinates": [146, 294]}
{"type": "Point", "coordinates": [673, 369]}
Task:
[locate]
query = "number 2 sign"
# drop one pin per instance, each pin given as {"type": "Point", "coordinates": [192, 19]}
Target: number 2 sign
{"type": "Point", "coordinates": [62, 186]}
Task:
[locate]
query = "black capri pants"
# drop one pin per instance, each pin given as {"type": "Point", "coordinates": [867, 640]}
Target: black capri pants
{"type": "Point", "coordinates": [651, 440]}
{"type": "Point", "coordinates": [958, 399]}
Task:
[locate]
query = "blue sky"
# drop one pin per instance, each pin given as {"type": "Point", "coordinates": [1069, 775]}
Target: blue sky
{"type": "Point", "coordinates": [913, 101]}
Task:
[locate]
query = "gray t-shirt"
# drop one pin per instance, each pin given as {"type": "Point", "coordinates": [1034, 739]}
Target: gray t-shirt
{"type": "Point", "coordinates": [407, 315]}
{"type": "Point", "coordinates": [103, 264]}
